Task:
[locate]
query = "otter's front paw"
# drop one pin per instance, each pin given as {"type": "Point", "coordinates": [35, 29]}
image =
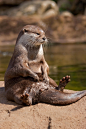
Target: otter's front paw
{"type": "Point", "coordinates": [26, 99]}
{"type": "Point", "coordinates": [46, 80]}
{"type": "Point", "coordinates": [36, 78]}
{"type": "Point", "coordinates": [63, 83]}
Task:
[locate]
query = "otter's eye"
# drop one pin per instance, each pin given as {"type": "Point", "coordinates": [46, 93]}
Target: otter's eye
{"type": "Point", "coordinates": [25, 30]}
{"type": "Point", "coordinates": [37, 33]}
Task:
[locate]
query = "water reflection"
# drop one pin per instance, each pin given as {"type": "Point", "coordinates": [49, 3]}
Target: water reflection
{"type": "Point", "coordinates": [62, 59]}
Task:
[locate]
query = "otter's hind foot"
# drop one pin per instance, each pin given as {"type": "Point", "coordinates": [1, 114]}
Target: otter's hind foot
{"type": "Point", "coordinates": [63, 83]}
{"type": "Point", "coordinates": [26, 99]}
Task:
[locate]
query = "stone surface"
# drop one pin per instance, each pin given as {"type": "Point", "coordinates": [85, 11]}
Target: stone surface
{"type": "Point", "coordinates": [64, 28]}
{"type": "Point", "coordinates": [43, 8]}
{"type": "Point", "coordinates": [41, 116]}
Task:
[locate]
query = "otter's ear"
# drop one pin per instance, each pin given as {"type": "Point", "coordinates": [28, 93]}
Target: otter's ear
{"type": "Point", "coordinates": [25, 30]}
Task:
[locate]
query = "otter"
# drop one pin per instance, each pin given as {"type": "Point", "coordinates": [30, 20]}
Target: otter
{"type": "Point", "coordinates": [26, 78]}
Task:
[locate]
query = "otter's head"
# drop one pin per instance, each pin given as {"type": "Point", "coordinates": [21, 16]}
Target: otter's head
{"type": "Point", "coordinates": [31, 36]}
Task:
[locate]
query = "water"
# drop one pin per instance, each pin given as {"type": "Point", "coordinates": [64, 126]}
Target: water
{"type": "Point", "coordinates": [62, 59]}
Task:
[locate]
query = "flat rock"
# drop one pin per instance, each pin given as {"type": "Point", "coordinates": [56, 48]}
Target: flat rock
{"type": "Point", "coordinates": [41, 116]}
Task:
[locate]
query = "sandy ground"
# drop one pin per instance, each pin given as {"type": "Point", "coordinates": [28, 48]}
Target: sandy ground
{"type": "Point", "coordinates": [41, 116]}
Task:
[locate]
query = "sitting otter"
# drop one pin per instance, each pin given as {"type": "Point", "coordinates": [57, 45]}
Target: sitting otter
{"type": "Point", "coordinates": [26, 79]}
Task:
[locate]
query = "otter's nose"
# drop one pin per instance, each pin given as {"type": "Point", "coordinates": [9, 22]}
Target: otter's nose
{"type": "Point", "coordinates": [43, 38]}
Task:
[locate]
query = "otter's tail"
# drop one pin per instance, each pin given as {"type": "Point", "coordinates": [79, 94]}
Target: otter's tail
{"type": "Point", "coordinates": [60, 98]}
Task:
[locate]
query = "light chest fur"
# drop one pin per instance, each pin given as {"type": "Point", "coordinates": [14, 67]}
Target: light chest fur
{"type": "Point", "coordinates": [34, 57]}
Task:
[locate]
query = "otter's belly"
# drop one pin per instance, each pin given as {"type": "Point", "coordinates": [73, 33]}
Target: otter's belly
{"type": "Point", "coordinates": [36, 68]}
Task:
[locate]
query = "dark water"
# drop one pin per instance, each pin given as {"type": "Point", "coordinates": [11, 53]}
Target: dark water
{"type": "Point", "coordinates": [62, 59]}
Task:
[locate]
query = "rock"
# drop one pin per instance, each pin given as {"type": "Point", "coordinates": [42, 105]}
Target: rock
{"type": "Point", "coordinates": [42, 8]}
{"type": "Point", "coordinates": [49, 14]}
{"type": "Point", "coordinates": [9, 30]}
{"type": "Point", "coordinates": [67, 29]}
{"type": "Point", "coordinates": [58, 29]}
{"type": "Point", "coordinates": [46, 5]}
{"type": "Point", "coordinates": [41, 116]}
{"type": "Point", "coordinates": [66, 16]}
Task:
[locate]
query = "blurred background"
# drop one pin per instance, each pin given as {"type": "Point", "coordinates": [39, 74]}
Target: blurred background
{"type": "Point", "coordinates": [64, 22]}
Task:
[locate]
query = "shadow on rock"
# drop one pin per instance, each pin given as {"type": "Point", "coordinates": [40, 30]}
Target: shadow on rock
{"type": "Point", "coordinates": [3, 99]}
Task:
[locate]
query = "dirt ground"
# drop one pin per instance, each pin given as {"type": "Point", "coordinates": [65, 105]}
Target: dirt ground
{"type": "Point", "coordinates": [41, 116]}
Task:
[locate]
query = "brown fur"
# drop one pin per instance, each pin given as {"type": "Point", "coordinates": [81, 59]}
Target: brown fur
{"type": "Point", "coordinates": [26, 79]}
